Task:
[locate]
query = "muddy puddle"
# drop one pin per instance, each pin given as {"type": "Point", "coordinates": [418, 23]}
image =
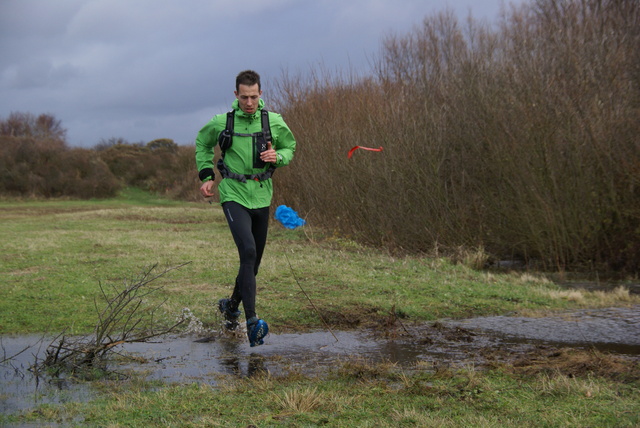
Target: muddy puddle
{"type": "Point", "coordinates": [205, 357]}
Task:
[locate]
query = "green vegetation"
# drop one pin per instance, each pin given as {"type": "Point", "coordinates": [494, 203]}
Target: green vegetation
{"type": "Point", "coordinates": [55, 254]}
{"type": "Point", "coordinates": [364, 395]}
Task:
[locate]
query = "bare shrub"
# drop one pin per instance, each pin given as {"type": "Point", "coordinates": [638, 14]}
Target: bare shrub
{"type": "Point", "coordinates": [105, 143]}
{"type": "Point", "coordinates": [161, 166]}
{"type": "Point", "coordinates": [130, 163]}
{"type": "Point", "coordinates": [36, 162]}
{"type": "Point", "coordinates": [44, 126]}
{"type": "Point", "coordinates": [48, 168]}
{"type": "Point", "coordinates": [519, 139]}
{"type": "Point", "coordinates": [86, 176]}
{"type": "Point", "coordinates": [182, 180]}
{"type": "Point", "coordinates": [126, 317]}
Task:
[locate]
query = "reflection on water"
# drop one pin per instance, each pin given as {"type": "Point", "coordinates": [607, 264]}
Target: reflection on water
{"type": "Point", "coordinates": [20, 388]}
{"type": "Point", "coordinates": [191, 359]}
{"type": "Point", "coordinates": [234, 361]}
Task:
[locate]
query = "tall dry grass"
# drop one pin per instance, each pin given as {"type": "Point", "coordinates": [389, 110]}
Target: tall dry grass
{"type": "Point", "coordinates": [520, 138]}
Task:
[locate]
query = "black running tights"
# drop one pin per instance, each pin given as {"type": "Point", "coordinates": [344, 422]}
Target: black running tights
{"type": "Point", "coordinates": [249, 230]}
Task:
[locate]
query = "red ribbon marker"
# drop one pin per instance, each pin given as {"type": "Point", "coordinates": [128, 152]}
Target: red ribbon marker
{"type": "Point", "coordinates": [379, 149]}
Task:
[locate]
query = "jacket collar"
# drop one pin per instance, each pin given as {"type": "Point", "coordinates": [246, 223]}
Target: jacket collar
{"type": "Point", "coordinates": [236, 106]}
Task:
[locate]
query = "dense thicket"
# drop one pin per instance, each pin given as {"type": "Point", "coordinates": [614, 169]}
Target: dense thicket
{"type": "Point", "coordinates": [35, 161]}
{"type": "Point", "coordinates": [47, 168]}
{"type": "Point", "coordinates": [521, 138]}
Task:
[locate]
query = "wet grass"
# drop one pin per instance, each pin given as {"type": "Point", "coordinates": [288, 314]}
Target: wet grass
{"type": "Point", "coordinates": [362, 393]}
{"type": "Point", "coordinates": [56, 253]}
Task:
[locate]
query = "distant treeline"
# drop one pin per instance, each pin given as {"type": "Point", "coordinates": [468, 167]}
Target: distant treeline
{"type": "Point", "coordinates": [519, 139]}
{"type": "Point", "coordinates": [35, 161]}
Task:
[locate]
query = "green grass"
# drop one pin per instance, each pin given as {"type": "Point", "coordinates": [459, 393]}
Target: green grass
{"type": "Point", "coordinates": [55, 255]}
{"type": "Point", "coordinates": [364, 395]}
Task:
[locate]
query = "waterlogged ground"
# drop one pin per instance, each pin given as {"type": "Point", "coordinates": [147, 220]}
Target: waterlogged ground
{"type": "Point", "coordinates": [204, 357]}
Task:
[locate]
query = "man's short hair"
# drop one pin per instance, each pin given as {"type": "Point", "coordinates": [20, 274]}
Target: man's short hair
{"type": "Point", "coordinates": [247, 77]}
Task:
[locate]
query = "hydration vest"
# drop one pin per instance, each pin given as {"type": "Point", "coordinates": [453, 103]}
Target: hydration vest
{"type": "Point", "coordinates": [259, 142]}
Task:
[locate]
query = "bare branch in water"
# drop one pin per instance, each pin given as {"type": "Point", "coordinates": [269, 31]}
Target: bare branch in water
{"type": "Point", "coordinates": [125, 318]}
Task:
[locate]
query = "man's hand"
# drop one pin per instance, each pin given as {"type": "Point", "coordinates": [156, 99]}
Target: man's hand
{"type": "Point", "coordinates": [207, 189]}
{"type": "Point", "coordinates": [269, 155]}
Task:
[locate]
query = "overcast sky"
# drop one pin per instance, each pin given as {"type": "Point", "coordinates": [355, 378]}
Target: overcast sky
{"type": "Point", "coordinates": [147, 69]}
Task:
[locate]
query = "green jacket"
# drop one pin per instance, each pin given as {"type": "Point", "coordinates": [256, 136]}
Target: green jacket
{"type": "Point", "coordinates": [239, 158]}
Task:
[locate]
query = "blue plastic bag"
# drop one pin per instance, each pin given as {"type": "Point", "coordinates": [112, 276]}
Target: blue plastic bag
{"type": "Point", "coordinates": [288, 217]}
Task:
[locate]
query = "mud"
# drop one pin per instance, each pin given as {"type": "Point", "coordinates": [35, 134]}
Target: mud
{"type": "Point", "coordinates": [479, 342]}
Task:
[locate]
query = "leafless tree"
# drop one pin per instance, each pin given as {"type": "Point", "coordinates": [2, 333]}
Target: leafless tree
{"type": "Point", "coordinates": [42, 127]}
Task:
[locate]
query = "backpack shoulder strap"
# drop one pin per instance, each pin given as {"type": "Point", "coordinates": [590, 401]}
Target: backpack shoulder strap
{"type": "Point", "coordinates": [266, 128]}
{"type": "Point", "coordinates": [230, 117]}
{"type": "Point", "coordinates": [226, 136]}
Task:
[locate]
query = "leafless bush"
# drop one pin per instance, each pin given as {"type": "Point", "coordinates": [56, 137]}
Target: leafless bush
{"type": "Point", "coordinates": [35, 166]}
{"type": "Point", "coordinates": [182, 181]}
{"type": "Point", "coordinates": [519, 139]}
{"type": "Point", "coordinates": [126, 317]}
{"type": "Point", "coordinates": [48, 168]}
{"type": "Point", "coordinates": [44, 126]}
{"type": "Point", "coordinates": [161, 167]}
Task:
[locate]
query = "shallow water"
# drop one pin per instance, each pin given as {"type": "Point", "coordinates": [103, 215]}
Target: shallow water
{"type": "Point", "coordinates": [204, 359]}
{"type": "Point", "coordinates": [613, 329]}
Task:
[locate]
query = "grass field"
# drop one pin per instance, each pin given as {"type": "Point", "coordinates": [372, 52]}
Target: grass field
{"type": "Point", "coordinates": [56, 255]}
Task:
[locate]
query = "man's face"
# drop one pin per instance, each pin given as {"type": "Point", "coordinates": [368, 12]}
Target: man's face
{"type": "Point", "coordinates": [248, 98]}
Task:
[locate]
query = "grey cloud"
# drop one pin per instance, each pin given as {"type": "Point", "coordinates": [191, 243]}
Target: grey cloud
{"type": "Point", "coordinates": [147, 69]}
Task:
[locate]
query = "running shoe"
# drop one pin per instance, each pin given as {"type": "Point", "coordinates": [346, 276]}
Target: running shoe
{"type": "Point", "coordinates": [230, 316]}
{"type": "Point", "coordinates": [257, 329]}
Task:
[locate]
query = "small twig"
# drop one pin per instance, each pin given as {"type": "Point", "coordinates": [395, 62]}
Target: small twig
{"type": "Point", "coordinates": [397, 318]}
{"type": "Point", "coordinates": [308, 298]}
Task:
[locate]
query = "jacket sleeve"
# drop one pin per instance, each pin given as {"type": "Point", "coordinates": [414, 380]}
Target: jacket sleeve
{"type": "Point", "coordinates": [283, 140]}
{"type": "Point", "coordinates": [205, 143]}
